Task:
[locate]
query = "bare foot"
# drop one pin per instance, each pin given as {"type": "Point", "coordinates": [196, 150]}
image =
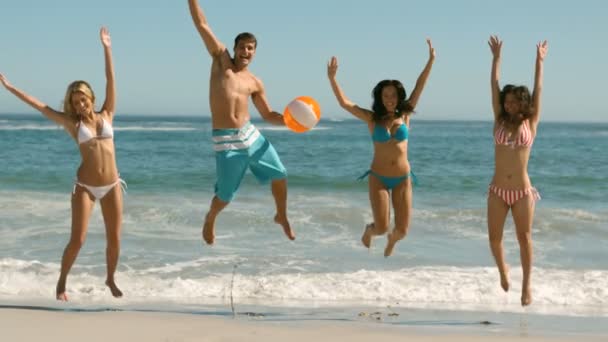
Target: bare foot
{"type": "Point", "coordinates": [60, 292]}
{"type": "Point", "coordinates": [286, 226]}
{"type": "Point", "coordinates": [392, 238]}
{"type": "Point", "coordinates": [114, 289]}
{"type": "Point", "coordinates": [209, 230]}
{"type": "Point", "coordinates": [504, 278]}
{"type": "Point", "coordinates": [526, 297]}
{"type": "Point", "coordinates": [366, 239]}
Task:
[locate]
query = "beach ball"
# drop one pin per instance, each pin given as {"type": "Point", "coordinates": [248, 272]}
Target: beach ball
{"type": "Point", "coordinates": [302, 114]}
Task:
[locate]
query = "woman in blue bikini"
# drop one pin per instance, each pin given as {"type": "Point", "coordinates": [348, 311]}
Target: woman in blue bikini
{"type": "Point", "coordinates": [391, 176]}
{"type": "Point", "coordinates": [97, 177]}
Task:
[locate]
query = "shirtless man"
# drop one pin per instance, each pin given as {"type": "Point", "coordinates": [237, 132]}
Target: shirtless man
{"type": "Point", "coordinates": [237, 143]}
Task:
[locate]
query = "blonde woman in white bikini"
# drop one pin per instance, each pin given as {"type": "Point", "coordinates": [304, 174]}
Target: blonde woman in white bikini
{"type": "Point", "coordinates": [97, 177]}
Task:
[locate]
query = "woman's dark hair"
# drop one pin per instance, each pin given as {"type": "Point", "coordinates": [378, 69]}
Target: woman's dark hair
{"type": "Point", "coordinates": [522, 94]}
{"type": "Point", "coordinates": [403, 105]}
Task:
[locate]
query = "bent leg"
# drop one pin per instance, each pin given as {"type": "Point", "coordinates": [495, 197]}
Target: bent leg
{"type": "Point", "coordinates": [497, 214]}
{"type": "Point", "coordinates": [523, 215]}
{"type": "Point", "coordinates": [217, 205]}
{"type": "Point", "coordinates": [230, 167]}
{"type": "Point", "coordinates": [378, 198]}
{"type": "Point", "coordinates": [402, 206]}
{"type": "Point", "coordinates": [82, 205]}
{"type": "Point", "coordinates": [279, 192]}
{"type": "Point", "coordinates": [266, 166]}
{"type": "Point", "coordinates": [111, 209]}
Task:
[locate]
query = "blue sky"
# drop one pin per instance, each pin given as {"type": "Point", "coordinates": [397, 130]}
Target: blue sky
{"type": "Point", "coordinates": [163, 69]}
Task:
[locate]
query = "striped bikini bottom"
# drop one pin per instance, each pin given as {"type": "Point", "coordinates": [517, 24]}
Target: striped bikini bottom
{"type": "Point", "coordinates": [512, 196]}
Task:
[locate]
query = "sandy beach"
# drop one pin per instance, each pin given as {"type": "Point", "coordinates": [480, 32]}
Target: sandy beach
{"type": "Point", "coordinates": [49, 326]}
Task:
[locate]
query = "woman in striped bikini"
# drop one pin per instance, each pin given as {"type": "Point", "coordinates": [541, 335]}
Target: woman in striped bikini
{"type": "Point", "coordinates": [516, 116]}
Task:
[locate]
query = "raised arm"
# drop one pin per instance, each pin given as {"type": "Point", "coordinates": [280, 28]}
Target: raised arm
{"type": "Point", "coordinates": [541, 52]}
{"type": "Point", "coordinates": [348, 105]}
{"type": "Point", "coordinates": [109, 104]}
{"type": "Point", "coordinates": [424, 76]}
{"type": "Point", "coordinates": [495, 46]}
{"type": "Point", "coordinates": [261, 104]}
{"type": "Point", "coordinates": [214, 46]}
{"type": "Point", "coordinates": [47, 111]}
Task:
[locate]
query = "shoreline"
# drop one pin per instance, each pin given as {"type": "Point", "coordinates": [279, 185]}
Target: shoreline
{"type": "Point", "coordinates": [278, 321]}
{"type": "Point", "coordinates": [158, 326]}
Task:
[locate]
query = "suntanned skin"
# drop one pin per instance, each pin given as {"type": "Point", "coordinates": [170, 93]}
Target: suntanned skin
{"type": "Point", "coordinates": [98, 168]}
{"type": "Point", "coordinates": [390, 158]}
{"type": "Point", "coordinates": [230, 86]}
{"type": "Point", "coordinates": [511, 172]}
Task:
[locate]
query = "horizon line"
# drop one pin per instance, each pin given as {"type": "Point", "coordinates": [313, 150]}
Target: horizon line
{"type": "Point", "coordinates": [32, 114]}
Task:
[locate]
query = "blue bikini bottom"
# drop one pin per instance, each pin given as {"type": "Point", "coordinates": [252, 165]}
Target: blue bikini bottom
{"type": "Point", "coordinates": [390, 182]}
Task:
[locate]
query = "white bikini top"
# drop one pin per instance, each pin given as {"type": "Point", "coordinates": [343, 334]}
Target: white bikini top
{"type": "Point", "coordinates": [84, 133]}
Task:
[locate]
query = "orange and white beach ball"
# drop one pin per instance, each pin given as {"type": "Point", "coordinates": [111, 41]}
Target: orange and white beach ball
{"type": "Point", "coordinates": [302, 114]}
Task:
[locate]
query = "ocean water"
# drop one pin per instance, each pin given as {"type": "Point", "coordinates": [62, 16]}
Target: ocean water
{"type": "Point", "coordinates": [444, 264]}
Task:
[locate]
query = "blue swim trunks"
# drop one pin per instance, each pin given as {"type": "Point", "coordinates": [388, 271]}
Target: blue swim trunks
{"type": "Point", "coordinates": [239, 149]}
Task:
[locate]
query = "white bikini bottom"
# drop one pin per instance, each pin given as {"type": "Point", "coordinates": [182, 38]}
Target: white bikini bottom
{"type": "Point", "coordinates": [100, 192]}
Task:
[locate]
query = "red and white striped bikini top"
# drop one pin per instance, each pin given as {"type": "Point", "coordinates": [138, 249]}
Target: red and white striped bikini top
{"type": "Point", "coordinates": [503, 137]}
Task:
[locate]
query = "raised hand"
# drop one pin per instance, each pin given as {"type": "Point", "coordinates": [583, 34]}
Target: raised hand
{"type": "Point", "coordinates": [105, 37]}
{"type": "Point", "coordinates": [4, 81]}
{"type": "Point", "coordinates": [495, 46]}
{"type": "Point", "coordinates": [332, 67]}
{"type": "Point", "coordinates": [431, 48]}
{"type": "Point", "coordinates": [541, 50]}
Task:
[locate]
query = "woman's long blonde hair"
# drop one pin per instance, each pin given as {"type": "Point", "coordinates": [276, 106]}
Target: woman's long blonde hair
{"type": "Point", "coordinates": [76, 86]}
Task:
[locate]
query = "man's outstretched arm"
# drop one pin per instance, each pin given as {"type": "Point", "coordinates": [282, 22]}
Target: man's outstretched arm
{"type": "Point", "coordinates": [214, 46]}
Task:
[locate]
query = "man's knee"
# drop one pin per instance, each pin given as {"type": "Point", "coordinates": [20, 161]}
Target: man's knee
{"type": "Point", "coordinates": [222, 197]}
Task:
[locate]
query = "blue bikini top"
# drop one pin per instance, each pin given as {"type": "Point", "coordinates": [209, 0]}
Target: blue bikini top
{"type": "Point", "coordinates": [382, 135]}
